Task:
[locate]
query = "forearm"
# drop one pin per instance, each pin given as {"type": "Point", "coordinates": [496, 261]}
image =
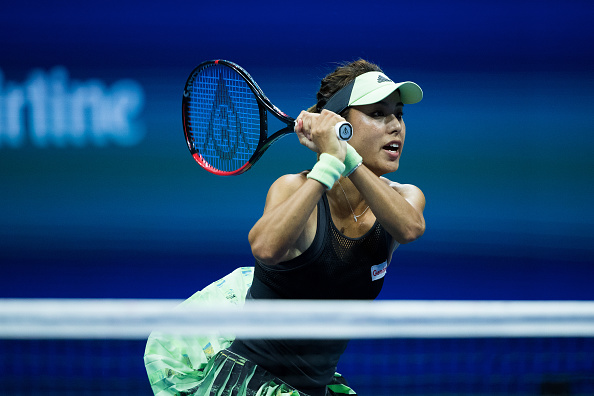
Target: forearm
{"type": "Point", "coordinates": [398, 216]}
{"type": "Point", "coordinates": [280, 229]}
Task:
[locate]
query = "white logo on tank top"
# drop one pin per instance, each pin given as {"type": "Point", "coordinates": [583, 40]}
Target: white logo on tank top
{"type": "Point", "coordinates": [379, 271]}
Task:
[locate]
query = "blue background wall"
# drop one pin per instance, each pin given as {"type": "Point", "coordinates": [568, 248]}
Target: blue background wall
{"type": "Point", "coordinates": [99, 196]}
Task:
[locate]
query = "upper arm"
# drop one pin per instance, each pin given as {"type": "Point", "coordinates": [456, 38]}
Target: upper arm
{"type": "Point", "coordinates": [282, 189]}
{"type": "Point", "coordinates": [411, 220]}
{"type": "Point", "coordinates": [412, 194]}
{"type": "Point", "coordinates": [286, 228]}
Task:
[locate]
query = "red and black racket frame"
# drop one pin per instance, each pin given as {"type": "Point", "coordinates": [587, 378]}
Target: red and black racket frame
{"type": "Point", "coordinates": [264, 106]}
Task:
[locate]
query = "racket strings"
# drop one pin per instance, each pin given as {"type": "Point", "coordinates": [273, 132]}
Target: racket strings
{"type": "Point", "coordinates": [224, 118]}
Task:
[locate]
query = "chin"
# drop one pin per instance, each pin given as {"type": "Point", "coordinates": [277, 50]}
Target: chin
{"type": "Point", "coordinates": [393, 167]}
{"type": "Point", "coordinates": [384, 170]}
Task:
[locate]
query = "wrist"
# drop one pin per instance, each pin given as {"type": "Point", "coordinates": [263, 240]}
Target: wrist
{"type": "Point", "coordinates": [327, 170]}
{"type": "Point", "coordinates": [352, 161]}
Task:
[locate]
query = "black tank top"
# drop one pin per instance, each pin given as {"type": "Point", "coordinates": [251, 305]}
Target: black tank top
{"type": "Point", "coordinates": [333, 267]}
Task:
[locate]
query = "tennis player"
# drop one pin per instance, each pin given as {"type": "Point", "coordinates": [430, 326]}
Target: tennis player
{"type": "Point", "coordinates": [326, 233]}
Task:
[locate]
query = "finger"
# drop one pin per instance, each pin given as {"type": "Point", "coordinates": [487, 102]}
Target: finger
{"type": "Point", "coordinates": [298, 125]}
{"type": "Point", "coordinates": [308, 119]}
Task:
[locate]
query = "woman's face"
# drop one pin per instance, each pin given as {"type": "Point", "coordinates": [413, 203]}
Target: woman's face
{"type": "Point", "coordinates": [378, 133]}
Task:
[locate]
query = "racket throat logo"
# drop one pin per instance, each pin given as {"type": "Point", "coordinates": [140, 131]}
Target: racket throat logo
{"type": "Point", "coordinates": [224, 128]}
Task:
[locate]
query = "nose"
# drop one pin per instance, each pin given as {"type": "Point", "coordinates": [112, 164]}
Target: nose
{"type": "Point", "coordinates": [394, 124]}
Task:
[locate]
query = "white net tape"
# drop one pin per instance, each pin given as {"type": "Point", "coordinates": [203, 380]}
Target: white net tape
{"type": "Point", "coordinates": [135, 319]}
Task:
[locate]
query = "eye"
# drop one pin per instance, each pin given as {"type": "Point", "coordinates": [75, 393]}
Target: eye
{"type": "Point", "coordinates": [399, 115]}
{"type": "Point", "coordinates": [377, 114]}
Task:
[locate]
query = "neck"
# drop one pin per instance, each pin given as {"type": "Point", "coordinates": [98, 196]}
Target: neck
{"type": "Point", "coordinates": [346, 187]}
{"type": "Point", "coordinates": [348, 200]}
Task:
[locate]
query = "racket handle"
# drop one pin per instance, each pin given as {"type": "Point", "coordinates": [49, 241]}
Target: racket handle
{"type": "Point", "coordinates": [344, 130]}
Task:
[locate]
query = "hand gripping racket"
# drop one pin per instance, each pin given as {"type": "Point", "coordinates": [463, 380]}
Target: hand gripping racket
{"type": "Point", "coordinates": [225, 118]}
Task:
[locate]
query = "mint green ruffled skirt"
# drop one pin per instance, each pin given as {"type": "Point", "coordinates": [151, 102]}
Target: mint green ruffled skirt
{"type": "Point", "coordinates": [183, 365]}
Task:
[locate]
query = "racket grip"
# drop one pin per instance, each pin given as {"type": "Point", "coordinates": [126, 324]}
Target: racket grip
{"type": "Point", "coordinates": [344, 130]}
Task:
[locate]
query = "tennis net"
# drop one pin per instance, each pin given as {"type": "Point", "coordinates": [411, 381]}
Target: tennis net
{"type": "Point", "coordinates": [96, 347]}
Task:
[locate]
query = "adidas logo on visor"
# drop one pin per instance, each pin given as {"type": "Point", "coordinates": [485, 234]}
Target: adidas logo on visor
{"type": "Point", "coordinates": [381, 78]}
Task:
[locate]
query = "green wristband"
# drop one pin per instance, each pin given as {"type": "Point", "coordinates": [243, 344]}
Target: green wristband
{"type": "Point", "coordinates": [352, 161]}
{"type": "Point", "coordinates": [327, 170]}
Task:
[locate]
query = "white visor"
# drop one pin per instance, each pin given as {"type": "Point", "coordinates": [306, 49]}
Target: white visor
{"type": "Point", "coordinates": [371, 87]}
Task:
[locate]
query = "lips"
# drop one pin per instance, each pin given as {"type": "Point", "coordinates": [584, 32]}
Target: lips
{"type": "Point", "coordinates": [393, 149]}
{"type": "Point", "coordinates": [392, 146]}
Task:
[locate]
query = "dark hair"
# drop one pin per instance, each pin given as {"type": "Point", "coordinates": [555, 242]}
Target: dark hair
{"type": "Point", "coordinates": [338, 79]}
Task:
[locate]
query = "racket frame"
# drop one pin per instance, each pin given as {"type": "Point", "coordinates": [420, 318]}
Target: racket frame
{"type": "Point", "coordinates": [264, 106]}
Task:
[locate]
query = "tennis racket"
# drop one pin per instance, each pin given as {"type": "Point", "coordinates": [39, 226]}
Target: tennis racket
{"type": "Point", "coordinates": [225, 118]}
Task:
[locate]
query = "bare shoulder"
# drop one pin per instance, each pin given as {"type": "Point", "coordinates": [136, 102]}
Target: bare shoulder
{"type": "Point", "coordinates": [285, 186]}
{"type": "Point", "coordinates": [290, 182]}
{"type": "Point", "coordinates": [403, 188]}
{"type": "Point", "coordinates": [410, 192]}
